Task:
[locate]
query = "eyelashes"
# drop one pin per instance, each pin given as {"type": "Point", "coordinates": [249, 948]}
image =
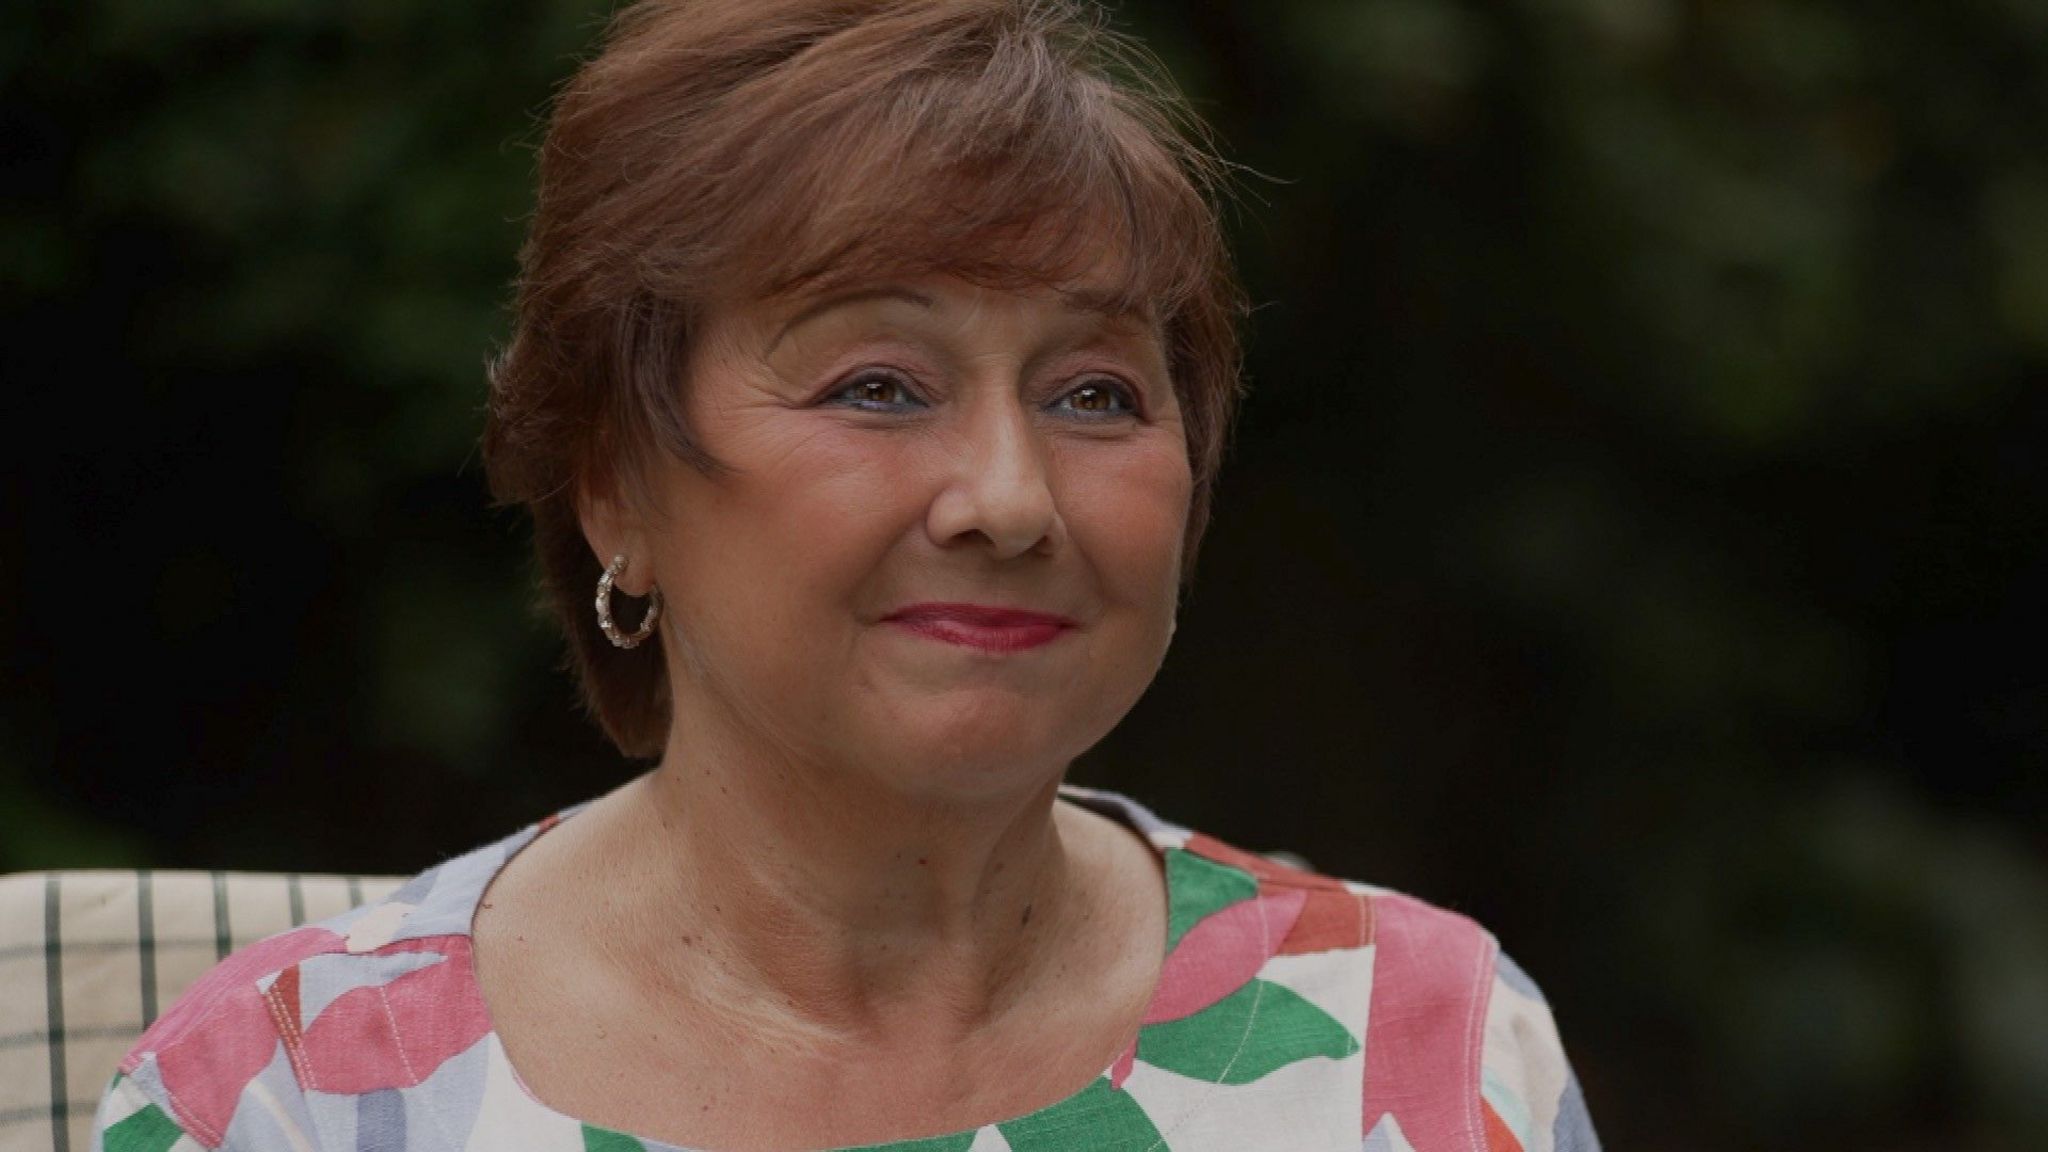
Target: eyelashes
{"type": "Point", "coordinates": [874, 390]}
{"type": "Point", "coordinates": [1095, 397]}
{"type": "Point", "coordinates": [1103, 390]}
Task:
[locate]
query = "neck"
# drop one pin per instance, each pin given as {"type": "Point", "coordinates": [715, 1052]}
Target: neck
{"type": "Point", "coordinates": [837, 908]}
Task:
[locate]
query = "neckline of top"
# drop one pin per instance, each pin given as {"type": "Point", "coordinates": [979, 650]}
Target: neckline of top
{"type": "Point", "coordinates": [1158, 833]}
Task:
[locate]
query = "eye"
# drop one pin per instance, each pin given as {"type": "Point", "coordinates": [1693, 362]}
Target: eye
{"type": "Point", "coordinates": [875, 391]}
{"type": "Point", "coordinates": [1100, 397]}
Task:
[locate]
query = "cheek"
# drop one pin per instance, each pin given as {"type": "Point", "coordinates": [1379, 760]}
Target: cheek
{"type": "Point", "coordinates": [772, 561]}
{"type": "Point", "coordinates": [1127, 508]}
{"type": "Point", "coordinates": [1127, 513]}
{"type": "Point", "coordinates": [802, 519]}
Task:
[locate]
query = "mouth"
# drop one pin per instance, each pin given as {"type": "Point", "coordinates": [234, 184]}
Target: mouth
{"type": "Point", "coordinates": [982, 626]}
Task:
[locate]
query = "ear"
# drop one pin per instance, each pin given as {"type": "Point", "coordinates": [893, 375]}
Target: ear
{"type": "Point", "coordinates": [615, 525]}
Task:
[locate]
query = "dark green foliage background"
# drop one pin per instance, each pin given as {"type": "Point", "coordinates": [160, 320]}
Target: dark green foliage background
{"type": "Point", "coordinates": [1637, 537]}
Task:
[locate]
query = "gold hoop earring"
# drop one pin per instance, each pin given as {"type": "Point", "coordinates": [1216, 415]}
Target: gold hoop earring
{"type": "Point", "coordinates": [604, 608]}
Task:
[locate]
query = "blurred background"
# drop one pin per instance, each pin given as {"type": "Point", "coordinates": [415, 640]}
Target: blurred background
{"type": "Point", "coordinates": [1637, 536]}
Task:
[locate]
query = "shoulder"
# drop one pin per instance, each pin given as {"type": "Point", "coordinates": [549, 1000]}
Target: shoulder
{"type": "Point", "coordinates": [1460, 1045]}
{"type": "Point", "coordinates": [377, 997]}
{"type": "Point", "coordinates": [1463, 1042]}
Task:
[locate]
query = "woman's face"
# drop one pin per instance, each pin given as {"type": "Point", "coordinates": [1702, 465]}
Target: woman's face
{"type": "Point", "coordinates": [947, 546]}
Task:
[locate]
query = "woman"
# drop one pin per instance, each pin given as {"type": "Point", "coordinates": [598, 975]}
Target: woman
{"type": "Point", "coordinates": [878, 354]}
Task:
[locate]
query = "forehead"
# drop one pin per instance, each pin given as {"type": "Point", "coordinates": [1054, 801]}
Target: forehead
{"type": "Point", "coordinates": [1095, 241]}
{"type": "Point", "coordinates": [951, 297]}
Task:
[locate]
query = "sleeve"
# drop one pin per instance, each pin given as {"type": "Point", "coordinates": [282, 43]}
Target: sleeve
{"type": "Point", "coordinates": [129, 1121]}
{"type": "Point", "coordinates": [1532, 1101]}
{"type": "Point", "coordinates": [214, 1110]}
{"type": "Point", "coordinates": [214, 1071]}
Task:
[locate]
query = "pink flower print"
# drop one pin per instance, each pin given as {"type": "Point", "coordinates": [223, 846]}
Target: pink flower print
{"type": "Point", "coordinates": [1222, 952]}
{"type": "Point", "coordinates": [219, 1035]}
{"type": "Point", "coordinates": [396, 1035]}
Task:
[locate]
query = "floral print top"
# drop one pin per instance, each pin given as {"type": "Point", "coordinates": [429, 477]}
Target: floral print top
{"type": "Point", "coordinates": [1294, 1013]}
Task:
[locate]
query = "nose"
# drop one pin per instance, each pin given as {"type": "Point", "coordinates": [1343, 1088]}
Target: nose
{"type": "Point", "coordinates": [1000, 489]}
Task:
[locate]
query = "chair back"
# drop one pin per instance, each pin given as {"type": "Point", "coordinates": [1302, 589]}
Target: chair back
{"type": "Point", "coordinates": [89, 958]}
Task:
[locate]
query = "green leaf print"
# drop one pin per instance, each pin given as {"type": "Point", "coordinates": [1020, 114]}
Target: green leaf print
{"type": "Point", "coordinates": [597, 1139]}
{"type": "Point", "coordinates": [1254, 1030]}
{"type": "Point", "coordinates": [1199, 888]}
{"type": "Point", "coordinates": [1097, 1119]}
{"type": "Point", "coordinates": [145, 1130]}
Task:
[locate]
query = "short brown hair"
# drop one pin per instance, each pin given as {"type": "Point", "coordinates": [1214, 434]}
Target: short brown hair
{"type": "Point", "coordinates": [721, 151]}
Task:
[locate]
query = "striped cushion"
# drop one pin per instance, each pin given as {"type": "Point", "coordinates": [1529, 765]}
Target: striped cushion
{"type": "Point", "coordinates": [88, 959]}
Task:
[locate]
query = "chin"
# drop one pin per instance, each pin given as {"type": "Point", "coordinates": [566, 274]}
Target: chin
{"type": "Point", "coordinates": [965, 753]}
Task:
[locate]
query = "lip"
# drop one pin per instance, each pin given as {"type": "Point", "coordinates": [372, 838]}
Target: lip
{"type": "Point", "coordinates": [983, 626]}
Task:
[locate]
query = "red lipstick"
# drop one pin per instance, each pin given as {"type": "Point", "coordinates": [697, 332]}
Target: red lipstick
{"type": "Point", "coordinates": [982, 626]}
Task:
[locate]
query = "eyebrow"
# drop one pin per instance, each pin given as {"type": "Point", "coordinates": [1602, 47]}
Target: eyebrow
{"type": "Point", "coordinates": [846, 299]}
{"type": "Point", "coordinates": [1109, 305]}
